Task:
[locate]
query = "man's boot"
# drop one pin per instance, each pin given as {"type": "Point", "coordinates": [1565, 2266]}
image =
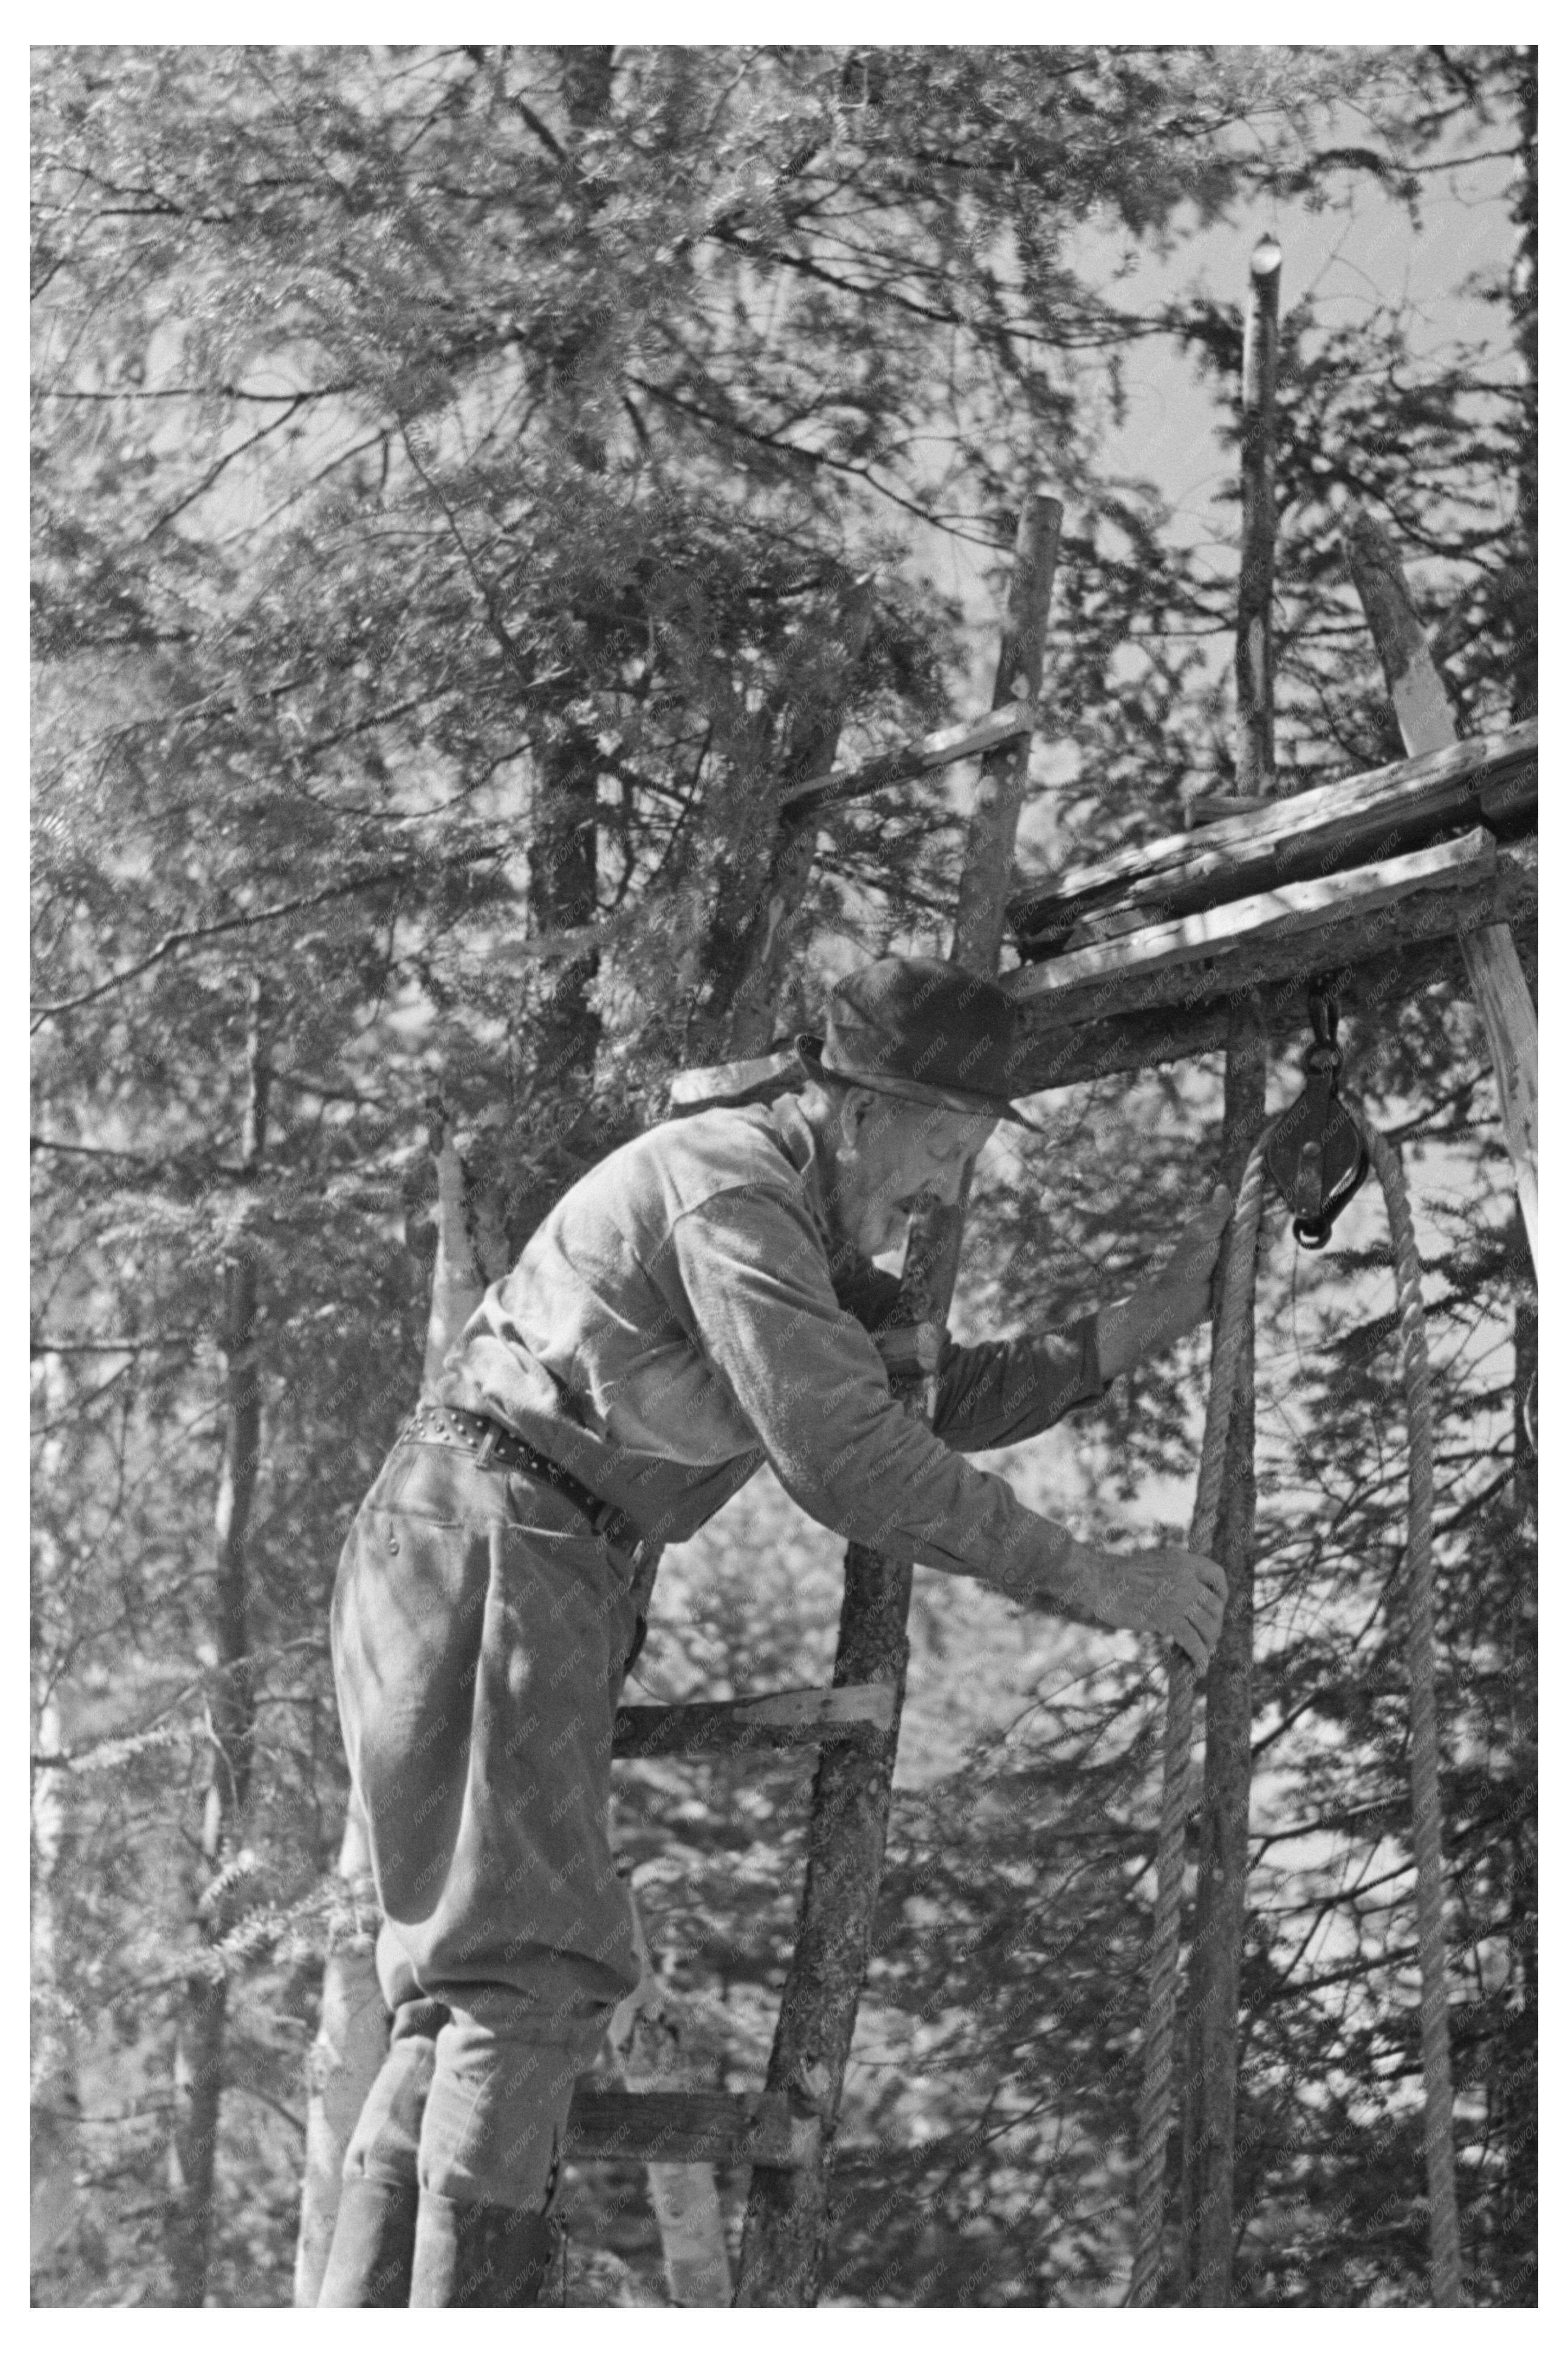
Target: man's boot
{"type": "Point", "coordinates": [371, 2260]}
{"type": "Point", "coordinates": [480, 2256]}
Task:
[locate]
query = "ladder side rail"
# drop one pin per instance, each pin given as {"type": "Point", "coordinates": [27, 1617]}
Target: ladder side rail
{"type": "Point", "coordinates": [784, 2238]}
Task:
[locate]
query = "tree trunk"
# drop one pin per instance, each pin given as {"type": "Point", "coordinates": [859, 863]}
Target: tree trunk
{"type": "Point", "coordinates": [199, 2040]}
{"type": "Point", "coordinates": [55, 2104]}
{"type": "Point", "coordinates": [346, 2058]}
{"type": "Point", "coordinates": [563, 895]}
{"type": "Point", "coordinates": [1209, 2112]}
{"type": "Point", "coordinates": [645, 2037]}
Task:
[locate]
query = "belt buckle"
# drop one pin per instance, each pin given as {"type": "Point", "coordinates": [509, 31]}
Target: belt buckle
{"type": "Point", "coordinates": [484, 1451]}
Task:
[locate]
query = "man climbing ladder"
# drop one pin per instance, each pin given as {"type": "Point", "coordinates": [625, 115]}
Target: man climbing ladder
{"type": "Point", "coordinates": [701, 1302]}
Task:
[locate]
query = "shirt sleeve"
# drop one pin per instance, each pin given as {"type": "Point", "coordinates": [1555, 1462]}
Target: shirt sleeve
{"type": "Point", "coordinates": [756, 1286]}
{"type": "Point", "coordinates": [1006, 1390]}
{"type": "Point", "coordinates": [1000, 1392]}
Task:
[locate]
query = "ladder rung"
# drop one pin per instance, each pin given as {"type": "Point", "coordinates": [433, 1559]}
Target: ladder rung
{"type": "Point", "coordinates": [690, 2128]}
{"type": "Point", "coordinates": [792, 1719]}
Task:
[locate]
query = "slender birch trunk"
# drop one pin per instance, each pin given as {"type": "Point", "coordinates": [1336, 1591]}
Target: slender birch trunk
{"type": "Point", "coordinates": [199, 2041]}
{"type": "Point", "coordinates": [55, 2104]}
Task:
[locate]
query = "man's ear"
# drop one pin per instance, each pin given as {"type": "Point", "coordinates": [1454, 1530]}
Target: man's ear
{"type": "Point", "coordinates": [856, 1107]}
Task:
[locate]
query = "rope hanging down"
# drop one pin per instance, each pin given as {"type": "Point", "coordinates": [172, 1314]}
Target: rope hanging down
{"type": "Point", "coordinates": [1155, 2103]}
{"type": "Point", "coordinates": [1154, 2107]}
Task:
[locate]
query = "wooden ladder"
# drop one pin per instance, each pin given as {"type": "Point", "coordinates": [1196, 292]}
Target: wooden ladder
{"type": "Point", "coordinates": [785, 2133]}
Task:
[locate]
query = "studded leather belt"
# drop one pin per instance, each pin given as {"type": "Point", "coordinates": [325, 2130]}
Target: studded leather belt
{"type": "Point", "coordinates": [494, 1447]}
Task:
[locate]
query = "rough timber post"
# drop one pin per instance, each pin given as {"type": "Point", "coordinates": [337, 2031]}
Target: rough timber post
{"type": "Point", "coordinates": [786, 2217]}
{"type": "Point", "coordinates": [752, 1013]}
{"type": "Point", "coordinates": [1214, 1974]}
{"type": "Point", "coordinates": [1491, 959]}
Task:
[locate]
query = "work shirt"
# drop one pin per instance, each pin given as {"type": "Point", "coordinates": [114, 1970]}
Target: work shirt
{"type": "Point", "coordinates": [685, 1315]}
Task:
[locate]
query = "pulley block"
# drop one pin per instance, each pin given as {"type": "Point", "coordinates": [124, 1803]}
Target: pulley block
{"type": "Point", "coordinates": [1317, 1155]}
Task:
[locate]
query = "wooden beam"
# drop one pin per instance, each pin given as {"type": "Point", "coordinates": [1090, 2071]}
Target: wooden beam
{"type": "Point", "coordinates": [1073, 983]}
{"type": "Point", "coordinates": [794, 1719]}
{"type": "Point", "coordinates": [1491, 780]}
{"type": "Point", "coordinates": [688, 2129]}
{"type": "Point", "coordinates": [1141, 1019]}
{"type": "Point", "coordinates": [1492, 958]}
{"type": "Point", "coordinates": [918, 756]}
{"type": "Point", "coordinates": [980, 923]}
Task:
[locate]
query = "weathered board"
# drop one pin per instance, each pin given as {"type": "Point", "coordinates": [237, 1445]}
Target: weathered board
{"type": "Point", "coordinates": [809, 1718]}
{"type": "Point", "coordinates": [1313, 834]}
{"type": "Point", "coordinates": [916, 757]}
{"type": "Point", "coordinates": [1073, 983]}
{"type": "Point", "coordinates": [689, 2129]}
{"type": "Point", "coordinates": [1139, 1018]}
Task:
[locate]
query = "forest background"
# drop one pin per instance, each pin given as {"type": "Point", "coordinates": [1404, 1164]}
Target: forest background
{"type": "Point", "coordinates": [469, 482]}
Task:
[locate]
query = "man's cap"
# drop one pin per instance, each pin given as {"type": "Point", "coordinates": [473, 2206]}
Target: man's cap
{"type": "Point", "coordinates": [928, 1032]}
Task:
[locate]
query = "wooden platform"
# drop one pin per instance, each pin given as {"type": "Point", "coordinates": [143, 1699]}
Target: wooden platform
{"type": "Point", "coordinates": [1372, 882]}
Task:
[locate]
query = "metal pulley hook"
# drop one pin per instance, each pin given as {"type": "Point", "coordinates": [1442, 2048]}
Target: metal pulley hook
{"type": "Point", "coordinates": [1316, 1154]}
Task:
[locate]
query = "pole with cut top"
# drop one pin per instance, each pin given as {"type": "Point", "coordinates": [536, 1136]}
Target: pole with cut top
{"type": "Point", "coordinates": [1214, 1977]}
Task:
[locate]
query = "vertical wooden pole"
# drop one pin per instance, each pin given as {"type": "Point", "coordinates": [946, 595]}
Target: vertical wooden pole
{"type": "Point", "coordinates": [1254, 603]}
{"type": "Point", "coordinates": [984, 885]}
{"type": "Point", "coordinates": [980, 923]}
{"type": "Point", "coordinates": [769, 936]}
{"type": "Point", "coordinates": [785, 2232]}
{"type": "Point", "coordinates": [1492, 958]}
{"type": "Point", "coordinates": [1209, 2122]}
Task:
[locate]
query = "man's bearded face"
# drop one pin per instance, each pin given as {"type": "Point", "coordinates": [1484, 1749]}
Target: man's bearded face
{"type": "Point", "coordinates": [892, 1160]}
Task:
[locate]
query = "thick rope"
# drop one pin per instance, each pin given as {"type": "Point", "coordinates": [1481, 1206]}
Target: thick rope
{"type": "Point", "coordinates": [1426, 1796]}
{"type": "Point", "coordinates": [1175, 1802]}
{"type": "Point", "coordinates": [1154, 2107]}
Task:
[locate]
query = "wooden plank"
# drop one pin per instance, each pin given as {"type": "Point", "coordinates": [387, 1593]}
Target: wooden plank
{"type": "Point", "coordinates": [811, 1717]}
{"type": "Point", "coordinates": [1491, 957]}
{"type": "Point", "coordinates": [1296, 909]}
{"type": "Point", "coordinates": [689, 2129]}
{"type": "Point", "coordinates": [1326, 830]}
{"type": "Point", "coordinates": [1140, 1020]}
{"type": "Point", "coordinates": [916, 756]}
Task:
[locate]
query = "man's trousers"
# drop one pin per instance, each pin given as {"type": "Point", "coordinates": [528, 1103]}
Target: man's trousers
{"type": "Point", "coordinates": [480, 1639]}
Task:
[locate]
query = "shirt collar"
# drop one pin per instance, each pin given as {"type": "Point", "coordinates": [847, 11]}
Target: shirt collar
{"type": "Point", "coordinates": [795, 1133]}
